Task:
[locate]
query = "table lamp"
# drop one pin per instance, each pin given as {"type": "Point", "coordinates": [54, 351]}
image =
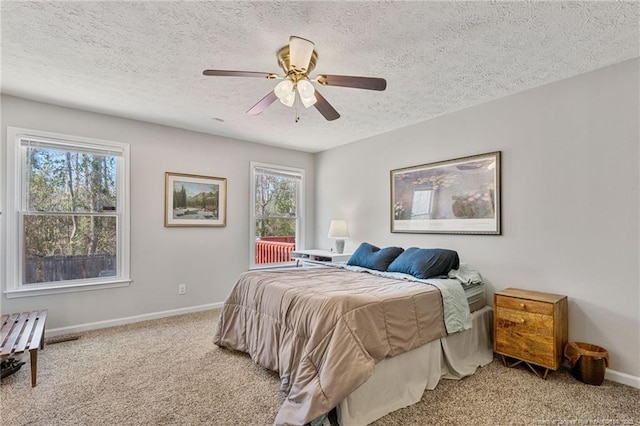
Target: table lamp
{"type": "Point", "coordinates": [338, 230]}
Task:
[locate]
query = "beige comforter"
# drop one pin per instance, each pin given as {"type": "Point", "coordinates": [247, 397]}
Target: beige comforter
{"type": "Point", "coordinates": [324, 329]}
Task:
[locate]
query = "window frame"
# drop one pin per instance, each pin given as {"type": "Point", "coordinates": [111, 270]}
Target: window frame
{"type": "Point", "coordinates": [300, 211]}
{"type": "Point", "coordinates": [16, 209]}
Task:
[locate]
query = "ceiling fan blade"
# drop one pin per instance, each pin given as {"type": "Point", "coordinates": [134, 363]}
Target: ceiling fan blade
{"type": "Point", "coordinates": [325, 107]}
{"type": "Point", "coordinates": [300, 51]}
{"type": "Point", "coordinates": [371, 83]}
{"type": "Point", "coordinates": [226, 73]}
{"type": "Point", "coordinates": [263, 103]}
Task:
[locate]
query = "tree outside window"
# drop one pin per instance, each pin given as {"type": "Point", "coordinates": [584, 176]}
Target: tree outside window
{"type": "Point", "coordinates": [276, 214]}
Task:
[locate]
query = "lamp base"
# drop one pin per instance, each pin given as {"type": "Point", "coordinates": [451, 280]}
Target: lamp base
{"type": "Point", "coordinates": [339, 246]}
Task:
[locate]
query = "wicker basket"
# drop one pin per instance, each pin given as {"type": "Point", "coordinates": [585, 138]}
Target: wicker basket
{"type": "Point", "coordinates": [588, 362]}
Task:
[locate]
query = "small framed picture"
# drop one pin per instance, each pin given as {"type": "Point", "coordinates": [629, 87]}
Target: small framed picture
{"type": "Point", "coordinates": [460, 196]}
{"type": "Point", "coordinates": [195, 200]}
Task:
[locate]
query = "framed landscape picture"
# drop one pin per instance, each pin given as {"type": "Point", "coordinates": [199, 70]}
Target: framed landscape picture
{"type": "Point", "coordinates": [460, 196]}
{"type": "Point", "coordinates": [194, 200]}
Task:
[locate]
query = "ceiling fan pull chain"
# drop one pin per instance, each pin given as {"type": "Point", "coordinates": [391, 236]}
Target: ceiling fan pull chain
{"type": "Point", "coordinates": [297, 103]}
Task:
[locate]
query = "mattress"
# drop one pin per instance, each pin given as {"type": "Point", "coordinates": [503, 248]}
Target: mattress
{"type": "Point", "coordinates": [476, 296]}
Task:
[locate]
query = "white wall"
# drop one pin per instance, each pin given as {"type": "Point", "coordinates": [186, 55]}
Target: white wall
{"type": "Point", "coordinates": [570, 191]}
{"type": "Point", "coordinates": [208, 260]}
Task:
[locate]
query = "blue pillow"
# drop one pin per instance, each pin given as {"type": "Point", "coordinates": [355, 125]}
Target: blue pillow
{"type": "Point", "coordinates": [372, 257]}
{"type": "Point", "coordinates": [425, 263]}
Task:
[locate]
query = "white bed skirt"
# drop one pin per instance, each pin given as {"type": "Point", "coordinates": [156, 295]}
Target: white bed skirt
{"type": "Point", "coordinates": [400, 381]}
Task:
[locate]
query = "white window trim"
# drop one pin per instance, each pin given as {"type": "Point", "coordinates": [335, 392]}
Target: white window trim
{"type": "Point", "coordinates": [12, 247]}
{"type": "Point", "coordinates": [300, 225]}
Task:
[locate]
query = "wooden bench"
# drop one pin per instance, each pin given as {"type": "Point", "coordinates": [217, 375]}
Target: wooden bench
{"type": "Point", "coordinates": [23, 332]}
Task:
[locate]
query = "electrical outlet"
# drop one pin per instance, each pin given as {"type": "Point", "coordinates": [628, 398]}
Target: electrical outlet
{"type": "Point", "coordinates": [182, 289]}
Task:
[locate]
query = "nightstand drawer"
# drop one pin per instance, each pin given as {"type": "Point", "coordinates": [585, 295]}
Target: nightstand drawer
{"type": "Point", "coordinates": [526, 336]}
{"type": "Point", "coordinates": [525, 305]}
{"type": "Point", "coordinates": [520, 321]}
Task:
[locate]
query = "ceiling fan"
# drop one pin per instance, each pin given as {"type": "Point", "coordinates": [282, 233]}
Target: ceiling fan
{"type": "Point", "coordinates": [297, 60]}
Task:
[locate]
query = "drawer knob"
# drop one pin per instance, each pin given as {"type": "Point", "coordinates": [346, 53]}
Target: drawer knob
{"type": "Point", "coordinates": [522, 305]}
{"type": "Point", "coordinates": [521, 320]}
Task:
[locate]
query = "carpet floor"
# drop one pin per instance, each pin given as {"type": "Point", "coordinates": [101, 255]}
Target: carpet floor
{"type": "Point", "coordinates": [169, 372]}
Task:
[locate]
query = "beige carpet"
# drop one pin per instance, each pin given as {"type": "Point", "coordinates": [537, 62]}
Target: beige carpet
{"type": "Point", "coordinates": [169, 372]}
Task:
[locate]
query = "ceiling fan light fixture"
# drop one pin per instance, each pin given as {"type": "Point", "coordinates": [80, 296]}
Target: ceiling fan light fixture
{"type": "Point", "coordinates": [307, 93]}
{"type": "Point", "coordinates": [283, 89]}
{"type": "Point", "coordinates": [289, 99]}
{"type": "Point", "coordinates": [300, 51]}
{"type": "Point", "coordinates": [306, 89]}
{"type": "Point", "coordinates": [308, 101]}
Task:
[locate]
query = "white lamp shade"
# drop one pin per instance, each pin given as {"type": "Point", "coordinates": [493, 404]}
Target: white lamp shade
{"type": "Point", "coordinates": [306, 89]}
{"type": "Point", "coordinates": [338, 229]}
{"type": "Point", "coordinates": [307, 102]}
{"type": "Point", "coordinates": [283, 89]}
{"type": "Point", "coordinates": [289, 99]}
{"type": "Point", "coordinates": [307, 93]}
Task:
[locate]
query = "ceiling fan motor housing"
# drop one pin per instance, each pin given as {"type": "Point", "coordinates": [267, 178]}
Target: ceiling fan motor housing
{"type": "Point", "coordinates": [294, 71]}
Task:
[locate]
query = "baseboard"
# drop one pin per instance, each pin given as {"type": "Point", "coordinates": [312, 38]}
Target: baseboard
{"type": "Point", "coordinates": [625, 379]}
{"type": "Point", "coordinates": [128, 320]}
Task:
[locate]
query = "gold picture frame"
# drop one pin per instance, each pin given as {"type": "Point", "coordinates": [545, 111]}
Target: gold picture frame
{"type": "Point", "coordinates": [460, 196]}
{"type": "Point", "coordinates": [195, 200]}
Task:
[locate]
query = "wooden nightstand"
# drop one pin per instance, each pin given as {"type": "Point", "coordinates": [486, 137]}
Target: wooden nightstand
{"type": "Point", "coordinates": [531, 327]}
{"type": "Point", "coordinates": [319, 256]}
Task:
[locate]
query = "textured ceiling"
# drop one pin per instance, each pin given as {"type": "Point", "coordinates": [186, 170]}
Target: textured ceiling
{"type": "Point", "coordinates": [144, 60]}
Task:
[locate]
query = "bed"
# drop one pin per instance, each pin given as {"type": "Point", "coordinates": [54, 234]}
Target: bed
{"type": "Point", "coordinates": [335, 333]}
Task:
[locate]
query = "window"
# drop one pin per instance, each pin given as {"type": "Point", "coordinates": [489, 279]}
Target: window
{"type": "Point", "coordinates": [422, 204]}
{"type": "Point", "coordinates": [277, 213]}
{"type": "Point", "coordinates": [67, 225]}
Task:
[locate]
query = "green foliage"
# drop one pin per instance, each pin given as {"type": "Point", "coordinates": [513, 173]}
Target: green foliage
{"type": "Point", "coordinates": [276, 227]}
{"type": "Point", "coordinates": [180, 198]}
{"type": "Point", "coordinates": [79, 235]}
{"type": "Point", "coordinates": [62, 186]}
{"type": "Point", "coordinates": [276, 208]}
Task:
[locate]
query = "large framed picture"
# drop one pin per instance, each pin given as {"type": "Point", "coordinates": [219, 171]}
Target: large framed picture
{"type": "Point", "coordinates": [460, 196]}
{"type": "Point", "coordinates": [194, 200]}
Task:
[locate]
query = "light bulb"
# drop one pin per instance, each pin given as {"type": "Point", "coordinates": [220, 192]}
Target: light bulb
{"type": "Point", "coordinates": [307, 93]}
{"type": "Point", "coordinates": [307, 102]}
{"type": "Point", "coordinates": [289, 99]}
{"type": "Point", "coordinates": [283, 89]}
{"type": "Point", "coordinates": [306, 90]}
